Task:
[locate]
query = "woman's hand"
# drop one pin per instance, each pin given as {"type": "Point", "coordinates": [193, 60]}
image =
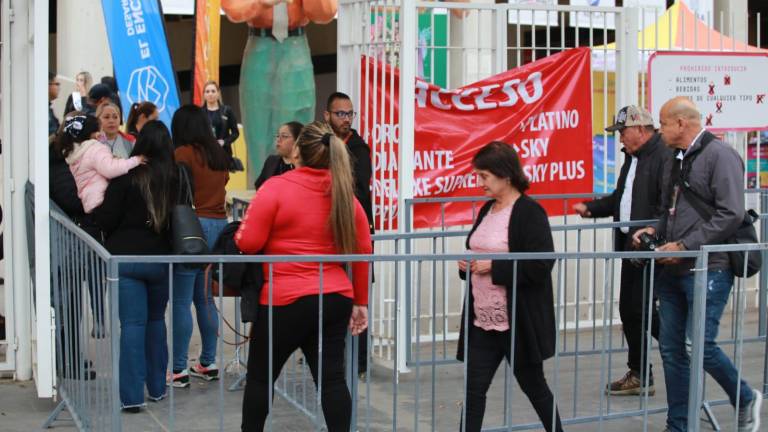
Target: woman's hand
{"type": "Point", "coordinates": [359, 319]}
{"type": "Point", "coordinates": [463, 265]}
{"type": "Point", "coordinates": [480, 266]}
{"type": "Point", "coordinates": [476, 266]}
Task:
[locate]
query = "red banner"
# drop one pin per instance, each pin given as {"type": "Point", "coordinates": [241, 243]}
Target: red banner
{"type": "Point", "coordinates": [542, 109]}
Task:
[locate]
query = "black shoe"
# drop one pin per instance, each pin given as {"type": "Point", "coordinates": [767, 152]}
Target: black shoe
{"type": "Point", "coordinates": [132, 409]}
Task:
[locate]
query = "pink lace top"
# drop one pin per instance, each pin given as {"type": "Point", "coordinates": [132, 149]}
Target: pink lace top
{"type": "Point", "coordinates": [490, 300]}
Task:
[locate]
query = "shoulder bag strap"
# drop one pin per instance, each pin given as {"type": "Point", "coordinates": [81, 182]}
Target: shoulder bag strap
{"type": "Point", "coordinates": [698, 202]}
{"type": "Point", "coordinates": [184, 185]}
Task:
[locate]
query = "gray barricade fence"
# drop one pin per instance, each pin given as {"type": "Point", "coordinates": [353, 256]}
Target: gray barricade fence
{"type": "Point", "coordinates": [582, 304]}
{"type": "Point", "coordinates": [431, 396]}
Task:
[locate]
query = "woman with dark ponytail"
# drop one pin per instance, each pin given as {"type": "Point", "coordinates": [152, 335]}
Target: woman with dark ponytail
{"type": "Point", "coordinates": [135, 217]}
{"type": "Point", "coordinates": [196, 148]}
{"type": "Point", "coordinates": [311, 210]}
{"type": "Point", "coordinates": [140, 113]}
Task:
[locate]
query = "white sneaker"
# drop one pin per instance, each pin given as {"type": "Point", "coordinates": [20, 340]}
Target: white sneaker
{"type": "Point", "coordinates": [208, 373]}
{"type": "Point", "coordinates": [179, 380]}
{"type": "Point", "coordinates": [749, 414]}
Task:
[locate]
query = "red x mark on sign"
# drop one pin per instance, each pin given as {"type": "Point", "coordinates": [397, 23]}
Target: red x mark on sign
{"type": "Point", "coordinates": [709, 120]}
{"type": "Point", "coordinates": [760, 98]}
{"type": "Point", "coordinates": [727, 80]}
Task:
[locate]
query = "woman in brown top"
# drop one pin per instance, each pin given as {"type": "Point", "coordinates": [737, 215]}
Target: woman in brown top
{"type": "Point", "coordinates": [196, 147]}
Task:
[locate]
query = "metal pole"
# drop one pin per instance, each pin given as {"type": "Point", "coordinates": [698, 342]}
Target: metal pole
{"type": "Point", "coordinates": [44, 353]}
{"type": "Point", "coordinates": [408, 27]}
{"type": "Point", "coordinates": [15, 109]}
{"type": "Point", "coordinates": [763, 286]}
{"type": "Point", "coordinates": [695, 391]}
{"type": "Point", "coordinates": [113, 281]}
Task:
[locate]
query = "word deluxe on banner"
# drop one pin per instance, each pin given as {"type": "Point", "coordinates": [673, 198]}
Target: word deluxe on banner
{"type": "Point", "coordinates": [542, 109]}
{"type": "Point", "coordinates": [140, 55]}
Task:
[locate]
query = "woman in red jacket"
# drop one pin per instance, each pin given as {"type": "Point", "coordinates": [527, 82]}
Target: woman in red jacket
{"type": "Point", "coordinates": [311, 210]}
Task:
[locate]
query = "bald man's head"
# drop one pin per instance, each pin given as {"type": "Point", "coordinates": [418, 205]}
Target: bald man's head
{"type": "Point", "coordinates": [681, 106]}
{"type": "Point", "coordinates": [680, 122]}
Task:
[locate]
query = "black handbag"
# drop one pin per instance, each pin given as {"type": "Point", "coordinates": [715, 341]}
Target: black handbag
{"type": "Point", "coordinates": [188, 237]}
{"type": "Point", "coordinates": [746, 233]}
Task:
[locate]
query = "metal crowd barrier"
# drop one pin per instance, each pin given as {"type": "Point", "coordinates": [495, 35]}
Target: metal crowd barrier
{"type": "Point", "coordinates": [87, 347]}
{"type": "Point", "coordinates": [581, 303]}
{"type": "Point", "coordinates": [425, 399]}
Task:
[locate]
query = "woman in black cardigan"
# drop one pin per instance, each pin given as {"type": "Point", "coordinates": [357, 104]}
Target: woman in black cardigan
{"type": "Point", "coordinates": [492, 284]}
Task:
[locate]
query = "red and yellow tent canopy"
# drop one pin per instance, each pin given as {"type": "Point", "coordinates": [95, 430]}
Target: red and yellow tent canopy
{"type": "Point", "coordinates": [678, 28]}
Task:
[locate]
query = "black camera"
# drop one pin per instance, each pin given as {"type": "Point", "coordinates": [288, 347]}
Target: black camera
{"type": "Point", "coordinates": [648, 242]}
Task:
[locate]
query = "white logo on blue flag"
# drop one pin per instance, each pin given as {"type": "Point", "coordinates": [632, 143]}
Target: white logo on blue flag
{"type": "Point", "coordinates": [148, 84]}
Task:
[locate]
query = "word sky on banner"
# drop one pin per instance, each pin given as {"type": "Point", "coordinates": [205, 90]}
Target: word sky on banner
{"type": "Point", "coordinates": [543, 110]}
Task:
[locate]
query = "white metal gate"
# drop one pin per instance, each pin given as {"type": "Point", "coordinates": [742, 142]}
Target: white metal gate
{"type": "Point", "coordinates": [468, 42]}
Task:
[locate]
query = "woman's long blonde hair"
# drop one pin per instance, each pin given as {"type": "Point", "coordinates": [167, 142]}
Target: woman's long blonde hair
{"type": "Point", "coordinates": [320, 148]}
{"type": "Point", "coordinates": [87, 81]}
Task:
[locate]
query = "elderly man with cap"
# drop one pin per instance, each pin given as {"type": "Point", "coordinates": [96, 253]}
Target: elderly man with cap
{"type": "Point", "coordinates": [638, 196]}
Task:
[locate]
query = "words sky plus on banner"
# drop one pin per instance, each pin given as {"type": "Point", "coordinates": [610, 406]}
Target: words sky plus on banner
{"type": "Point", "coordinates": [542, 109]}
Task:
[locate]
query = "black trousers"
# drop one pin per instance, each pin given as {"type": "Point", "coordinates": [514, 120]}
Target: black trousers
{"type": "Point", "coordinates": [633, 309]}
{"type": "Point", "coordinates": [486, 351]}
{"type": "Point", "coordinates": [296, 326]}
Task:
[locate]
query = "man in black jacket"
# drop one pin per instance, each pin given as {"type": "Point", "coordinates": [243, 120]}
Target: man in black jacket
{"type": "Point", "coordinates": [339, 113]}
{"type": "Point", "coordinates": [638, 196]}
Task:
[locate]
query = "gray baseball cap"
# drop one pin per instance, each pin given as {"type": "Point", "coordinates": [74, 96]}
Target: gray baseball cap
{"type": "Point", "coordinates": [631, 115]}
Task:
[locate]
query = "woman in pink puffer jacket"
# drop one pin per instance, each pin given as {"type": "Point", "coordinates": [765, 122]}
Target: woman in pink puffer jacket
{"type": "Point", "coordinates": [91, 162]}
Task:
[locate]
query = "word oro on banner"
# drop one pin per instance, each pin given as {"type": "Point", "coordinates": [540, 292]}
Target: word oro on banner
{"type": "Point", "coordinates": [540, 109]}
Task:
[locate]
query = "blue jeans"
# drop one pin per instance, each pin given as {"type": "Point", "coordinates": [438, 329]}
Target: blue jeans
{"type": "Point", "coordinates": [143, 294]}
{"type": "Point", "coordinates": [189, 286]}
{"type": "Point", "coordinates": [675, 313]}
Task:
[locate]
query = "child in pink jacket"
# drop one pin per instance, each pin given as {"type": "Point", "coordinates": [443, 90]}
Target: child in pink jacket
{"type": "Point", "coordinates": [91, 162]}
